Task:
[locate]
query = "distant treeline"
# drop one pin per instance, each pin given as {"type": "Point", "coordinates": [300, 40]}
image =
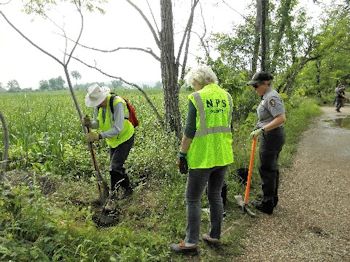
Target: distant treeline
{"type": "Point", "coordinates": [58, 83]}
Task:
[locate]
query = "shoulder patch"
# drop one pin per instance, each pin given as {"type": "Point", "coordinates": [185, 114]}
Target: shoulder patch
{"type": "Point", "coordinates": [272, 102]}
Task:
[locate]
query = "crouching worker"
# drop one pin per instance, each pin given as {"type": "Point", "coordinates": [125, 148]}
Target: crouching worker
{"type": "Point", "coordinates": [206, 150]}
{"type": "Point", "coordinates": [111, 119]}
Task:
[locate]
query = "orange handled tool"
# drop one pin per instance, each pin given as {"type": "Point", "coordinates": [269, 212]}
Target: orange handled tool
{"type": "Point", "coordinates": [244, 203]}
{"type": "Point", "coordinates": [250, 171]}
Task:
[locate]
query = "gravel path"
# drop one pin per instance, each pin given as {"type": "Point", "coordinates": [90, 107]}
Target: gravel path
{"type": "Point", "coordinates": [312, 221]}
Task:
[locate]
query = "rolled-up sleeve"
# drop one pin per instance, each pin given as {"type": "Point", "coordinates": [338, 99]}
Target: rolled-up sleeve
{"type": "Point", "coordinates": [94, 122]}
{"type": "Point", "coordinates": [118, 123]}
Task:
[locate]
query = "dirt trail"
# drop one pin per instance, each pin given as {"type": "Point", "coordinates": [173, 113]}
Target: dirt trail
{"type": "Point", "coordinates": [312, 221]}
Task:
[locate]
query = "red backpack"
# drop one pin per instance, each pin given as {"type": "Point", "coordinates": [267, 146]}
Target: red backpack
{"type": "Point", "coordinates": [132, 111]}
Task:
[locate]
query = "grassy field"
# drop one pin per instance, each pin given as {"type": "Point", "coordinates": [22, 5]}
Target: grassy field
{"type": "Point", "coordinates": [45, 215]}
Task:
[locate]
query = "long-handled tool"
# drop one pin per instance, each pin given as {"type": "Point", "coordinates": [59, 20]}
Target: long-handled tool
{"type": "Point", "coordinates": [244, 203]}
{"type": "Point", "coordinates": [101, 183]}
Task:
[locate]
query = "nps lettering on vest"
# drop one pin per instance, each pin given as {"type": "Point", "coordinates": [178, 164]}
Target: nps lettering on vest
{"type": "Point", "coordinates": [106, 123]}
{"type": "Point", "coordinates": [212, 143]}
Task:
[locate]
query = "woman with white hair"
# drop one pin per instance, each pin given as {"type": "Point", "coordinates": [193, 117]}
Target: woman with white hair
{"type": "Point", "coordinates": [206, 151]}
{"type": "Point", "coordinates": [111, 119]}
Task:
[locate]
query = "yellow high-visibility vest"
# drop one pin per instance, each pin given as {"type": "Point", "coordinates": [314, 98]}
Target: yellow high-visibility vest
{"type": "Point", "coordinates": [107, 123]}
{"type": "Point", "coordinates": [212, 143]}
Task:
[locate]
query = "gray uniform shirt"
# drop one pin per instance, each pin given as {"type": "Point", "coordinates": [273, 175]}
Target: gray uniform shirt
{"type": "Point", "coordinates": [118, 121]}
{"type": "Point", "coordinates": [270, 107]}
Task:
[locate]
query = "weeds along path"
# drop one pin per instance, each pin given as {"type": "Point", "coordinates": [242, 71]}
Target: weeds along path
{"type": "Point", "coordinates": [312, 221]}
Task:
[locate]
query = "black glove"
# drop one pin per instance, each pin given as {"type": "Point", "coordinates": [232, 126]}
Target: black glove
{"type": "Point", "coordinates": [182, 163]}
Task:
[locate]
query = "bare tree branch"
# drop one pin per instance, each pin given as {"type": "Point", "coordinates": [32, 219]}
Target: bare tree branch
{"type": "Point", "coordinates": [184, 63]}
{"type": "Point", "coordinates": [5, 3]}
{"type": "Point", "coordinates": [30, 41]}
{"type": "Point", "coordinates": [63, 32]}
{"type": "Point", "coordinates": [203, 20]}
{"type": "Point", "coordinates": [154, 33]}
{"type": "Point", "coordinates": [102, 185]}
{"type": "Point", "coordinates": [154, 19]}
{"type": "Point", "coordinates": [234, 10]}
{"type": "Point", "coordinates": [65, 46]}
{"type": "Point", "coordinates": [78, 5]}
{"type": "Point", "coordinates": [147, 50]}
{"type": "Point", "coordinates": [160, 119]}
{"type": "Point", "coordinates": [204, 43]}
{"type": "Point", "coordinates": [187, 30]}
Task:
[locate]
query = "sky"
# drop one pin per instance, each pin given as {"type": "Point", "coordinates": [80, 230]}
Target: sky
{"type": "Point", "coordinates": [120, 26]}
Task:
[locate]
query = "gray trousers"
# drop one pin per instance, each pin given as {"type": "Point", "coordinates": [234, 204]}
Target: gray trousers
{"type": "Point", "coordinates": [339, 102]}
{"type": "Point", "coordinates": [197, 180]}
{"type": "Point", "coordinates": [271, 144]}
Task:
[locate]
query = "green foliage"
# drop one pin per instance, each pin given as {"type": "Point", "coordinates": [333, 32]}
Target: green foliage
{"type": "Point", "coordinates": [301, 111]}
{"type": "Point", "coordinates": [53, 84]}
{"type": "Point", "coordinates": [36, 230]}
{"type": "Point", "coordinates": [322, 76]}
{"type": "Point", "coordinates": [47, 140]}
{"type": "Point", "coordinates": [41, 7]}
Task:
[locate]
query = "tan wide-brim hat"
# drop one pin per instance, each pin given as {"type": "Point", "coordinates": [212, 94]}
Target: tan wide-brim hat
{"type": "Point", "coordinates": [95, 95]}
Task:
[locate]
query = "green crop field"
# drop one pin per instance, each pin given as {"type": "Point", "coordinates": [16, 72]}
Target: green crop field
{"type": "Point", "coordinates": [47, 214]}
{"type": "Point", "coordinates": [46, 133]}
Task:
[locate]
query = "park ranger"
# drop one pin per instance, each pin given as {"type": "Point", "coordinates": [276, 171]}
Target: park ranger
{"type": "Point", "coordinates": [271, 117]}
{"type": "Point", "coordinates": [114, 126]}
{"type": "Point", "coordinates": [206, 150]}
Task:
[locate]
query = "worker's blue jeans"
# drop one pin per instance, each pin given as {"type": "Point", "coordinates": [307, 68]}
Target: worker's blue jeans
{"type": "Point", "coordinates": [197, 180]}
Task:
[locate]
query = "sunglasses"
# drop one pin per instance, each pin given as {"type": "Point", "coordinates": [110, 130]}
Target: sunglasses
{"type": "Point", "coordinates": [258, 84]}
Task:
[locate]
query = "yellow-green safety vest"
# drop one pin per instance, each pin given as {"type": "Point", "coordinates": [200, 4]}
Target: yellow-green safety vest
{"type": "Point", "coordinates": [107, 123]}
{"type": "Point", "coordinates": [212, 143]}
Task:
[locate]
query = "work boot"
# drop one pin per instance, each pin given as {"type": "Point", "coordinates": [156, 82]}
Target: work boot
{"type": "Point", "coordinates": [127, 192]}
{"type": "Point", "coordinates": [275, 201]}
{"type": "Point", "coordinates": [184, 248]}
{"type": "Point", "coordinates": [265, 207]}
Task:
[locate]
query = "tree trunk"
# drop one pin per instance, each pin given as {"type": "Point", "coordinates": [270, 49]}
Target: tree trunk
{"type": "Point", "coordinates": [256, 38]}
{"type": "Point", "coordinates": [264, 35]}
{"type": "Point", "coordinates": [101, 182]}
{"type": "Point", "coordinates": [285, 10]}
{"type": "Point", "coordinates": [289, 79]}
{"type": "Point", "coordinates": [169, 69]}
{"type": "Point", "coordinates": [318, 77]}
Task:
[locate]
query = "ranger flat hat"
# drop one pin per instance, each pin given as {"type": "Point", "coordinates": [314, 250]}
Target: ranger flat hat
{"type": "Point", "coordinates": [95, 95]}
{"type": "Point", "coordinates": [260, 77]}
